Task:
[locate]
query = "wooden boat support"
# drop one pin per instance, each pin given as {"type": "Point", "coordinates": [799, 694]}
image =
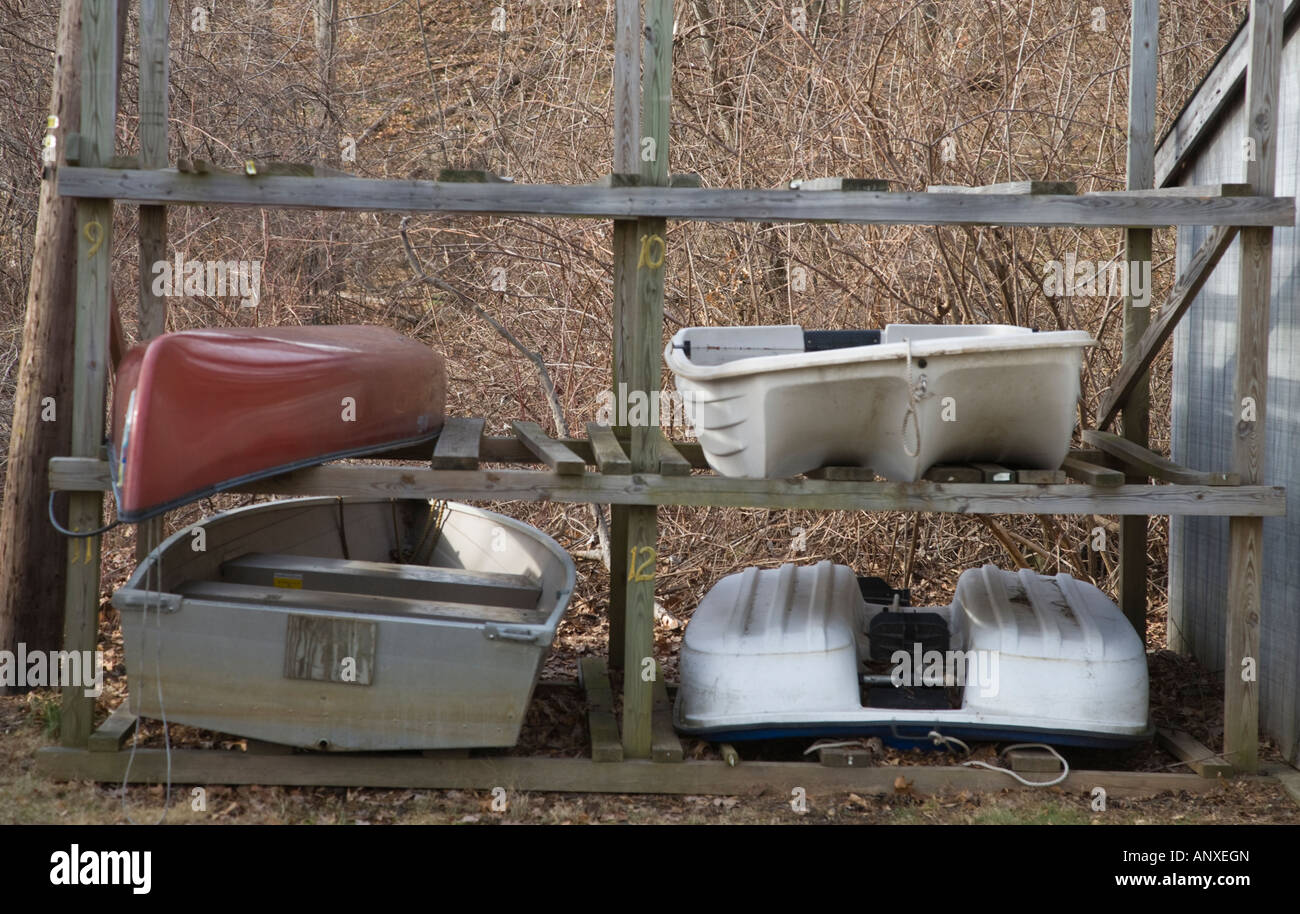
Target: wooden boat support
{"type": "Point", "coordinates": [89, 475]}
{"type": "Point", "coordinates": [776, 782]}
{"type": "Point", "coordinates": [636, 470]}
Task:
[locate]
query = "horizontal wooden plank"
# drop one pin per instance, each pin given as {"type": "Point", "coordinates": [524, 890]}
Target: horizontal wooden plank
{"type": "Point", "coordinates": [83, 474]}
{"type": "Point", "coordinates": [609, 454]}
{"type": "Point", "coordinates": [1128, 208]}
{"type": "Point", "coordinates": [457, 447]}
{"type": "Point", "coordinates": [1091, 473]}
{"type": "Point", "coordinates": [606, 744]}
{"type": "Point", "coordinates": [1199, 757]}
{"type": "Point", "coordinates": [1144, 462]}
{"type": "Point", "coordinates": [751, 778]}
{"type": "Point", "coordinates": [549, 451]}
{"type": "Point", "coordinates": [671, 462]}
{"type": "Point", "coordinates": [112, 733]}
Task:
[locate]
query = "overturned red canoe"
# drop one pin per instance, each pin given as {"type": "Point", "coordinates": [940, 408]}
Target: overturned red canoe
{"type": "Point", "coordinates": [200, 411]}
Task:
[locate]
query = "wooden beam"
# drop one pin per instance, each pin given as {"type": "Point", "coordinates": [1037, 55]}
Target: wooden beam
{"type": "Point", "coordinates": [751, 778]}
{"type": "Point", "coordinates": [627, 141]}
{"type": "Point", "coordinates": [549, 451]}
{"type": "Point", "coordinates": [1143, 55]}
{"type": "Point", "coordinates": [671, 462]}
{"type": "Point", "coordinates": [1142, 462]}
{"type": "Point", "coordinates": [642, 368]}
{"type": "Point", "coordinates": [1135, 365]}
{"type": "Point", "coordinates": [605, 743]}
{"type": "Point", "coordinates": [665, 746]}
{"type": "Point", "coordinates": [1246, 535]}
{"type": "Point", "coordinates": [458, 444]}
{"type": "Point", "coordinates": [609, 454]}
{"type": "Point", "coordinates": [113, 732]}
{"type": "Point", "coordinates": [679, 203]}
{"type": "Point", "coordinates": [91, 350]}
{"type": "Point", "coordinates": [1186, 748]}
{"type": "Point", "coordinates": [1221, 89]}
{"type": "Point", "coordinates": [69, 474]}
{"type": "Point", "coordinates": [1091, 473]}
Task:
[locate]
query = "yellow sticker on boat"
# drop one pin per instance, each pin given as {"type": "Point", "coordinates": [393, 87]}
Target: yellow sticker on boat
{"type": "Point", "coordinates": [291, 581]}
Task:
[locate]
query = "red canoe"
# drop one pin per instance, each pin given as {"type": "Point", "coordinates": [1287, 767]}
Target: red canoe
{"type": "Point", "coordinates": [200, 411]}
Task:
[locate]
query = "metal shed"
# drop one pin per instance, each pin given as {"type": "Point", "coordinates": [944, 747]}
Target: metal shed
{"type": "Point", "coordinates": [1205, 145]}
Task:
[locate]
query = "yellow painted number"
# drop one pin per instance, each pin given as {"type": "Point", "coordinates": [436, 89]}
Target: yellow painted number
{"type": "Point", "coordinates": [645, 569]}
{"type": "Point", "coordinates": [94, 233]}
{"type": "Point", "coordinates": [647, 258]}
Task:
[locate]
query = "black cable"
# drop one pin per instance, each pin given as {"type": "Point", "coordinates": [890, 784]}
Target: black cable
{"type": "Point", "coordinates": [66, 532]}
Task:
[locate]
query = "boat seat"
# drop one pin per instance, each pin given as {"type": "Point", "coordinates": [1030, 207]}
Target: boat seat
{"type": "Point", "coordinates": [357, 603]}
{"type": "Point", "coordinates": [383, 579]}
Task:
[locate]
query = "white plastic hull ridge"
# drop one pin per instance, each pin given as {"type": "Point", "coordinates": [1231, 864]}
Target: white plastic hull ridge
{"type": "Point", "coordinates": [763, 407]}
{"type": "Point", "coordinates": [786, 652]}
{"type": "Point", "coordinates": [346, 624]}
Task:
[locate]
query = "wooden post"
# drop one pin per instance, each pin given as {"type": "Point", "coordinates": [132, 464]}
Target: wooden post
{"type": "Point", "coordinates": [639, 362]}
{"type": "Point", "coordinates": [90, 351]}
{"type": "Point", "coordinates": [1134, 424]}
{"type": "Point", "coordinates": [153, 219]}
{"type": "Point", "coordinates": [627, 138]}
{"type": "Point", "coordinates": [1245, 534]}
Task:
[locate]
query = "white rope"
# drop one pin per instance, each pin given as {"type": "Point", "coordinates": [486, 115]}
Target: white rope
{"type": "Point", "coordinates": [1065, 766]}
{"type": "Point", "coordinates": [915, 393]}
{"type": "Point", "coordinates": [948, 741]}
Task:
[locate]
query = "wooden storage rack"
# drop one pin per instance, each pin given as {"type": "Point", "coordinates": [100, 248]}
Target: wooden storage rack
{"type": "Point", "coordinates": [642, 470]}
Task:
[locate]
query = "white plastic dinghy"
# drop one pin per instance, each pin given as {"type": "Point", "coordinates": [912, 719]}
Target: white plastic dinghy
{"type": "Point", "coordinates": [788, 652]}
{"type": "Point", "coordinates": [346, 624]}
{"type": "Point", "coordinates": [767, 403]}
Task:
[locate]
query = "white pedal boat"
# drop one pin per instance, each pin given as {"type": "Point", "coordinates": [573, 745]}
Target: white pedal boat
{"type": "Point", "coordinates": [346, 624]}
{"type": "Point", "coordinates": [786, 653]}
{"type": "Point", "coordinates": [765, 406]}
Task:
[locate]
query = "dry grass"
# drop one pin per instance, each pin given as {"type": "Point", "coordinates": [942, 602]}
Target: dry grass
{"type": "Point", "coordinates": [1022, 91]}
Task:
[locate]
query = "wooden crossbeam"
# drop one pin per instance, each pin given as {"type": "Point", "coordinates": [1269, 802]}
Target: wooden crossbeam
{"type": "Point", "coordinates": [549, 451]}
{"type": "Point", "coordinates": [113, 732]}
{"type": "Point", "coordinates": [1132, 208]}
{"type": "Point", "coordinates": [1180, 299]}
{"type": "Point", "coordinates": [1144, 462]}
{"type": "Point", "coordinates": [82, 474]}
{"type": "Point", "coordinates": [606, 745]}
{"type": "Point", "coordinates": [609, 454]}
{"type": "Point", "coordinates": [846, 184]}
{"type": "Point", "coordinates": [671, 462]}
{"type": "Point", "coordinates": [1091, 473]}
{"type": "Point", "coordinates": [458, 444]}
{"type": "Point", "coordinates": [200, 766]}
{"type": "Point", "coordinates": [664, 744]}
{"type": "Point", "coordinates": [1186, 748]}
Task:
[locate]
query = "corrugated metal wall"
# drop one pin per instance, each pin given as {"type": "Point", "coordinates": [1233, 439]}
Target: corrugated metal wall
{"type": "Point", "coordinates": [1203, 417]}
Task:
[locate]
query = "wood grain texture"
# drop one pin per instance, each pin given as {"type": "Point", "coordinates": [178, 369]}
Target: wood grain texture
{"type": "Point", "coordinates": [1143, 462]}
{"type": "Point", "coordinates": [750, 778]}
{"type": "Point", "coordinates": [549, 451]}
{"type": "Point", "coordinates": [601, 723]}
{"type": "Point", "coordinates": [67, 474]}
{"type": "Point", "coordinates": [1245, 547]}
{"type": "Point", "coordinates": [1138, 359]}
{"type": "Point", "coordinates": [458, 444]}
{"type": "Point", "coordinates": [1118, 210]}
